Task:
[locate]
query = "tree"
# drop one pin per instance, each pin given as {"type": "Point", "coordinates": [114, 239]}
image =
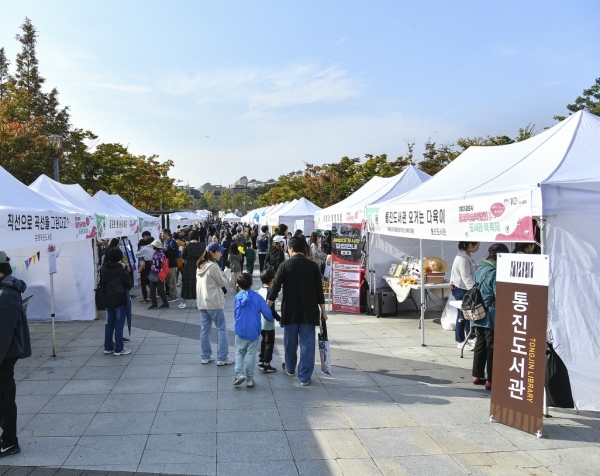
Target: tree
{"type": "Point", "coordinates": [4, 74]}
{"type": "Point", "coordinates": [210, 200]}
{"type": "Point", "coordinates": [590, 101]}
{"type": "Point", "coordinates": [239, 202]}
{"type": "Point", "coordinates": [225, 200]}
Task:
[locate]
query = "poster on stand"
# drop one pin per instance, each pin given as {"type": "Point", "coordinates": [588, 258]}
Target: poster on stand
{"type": "Point", "coordinates": [520, 341]}
{"type": "Point", "coordinates": [346, 257]}
{"type": "Point", "coordinates": [482, 219]}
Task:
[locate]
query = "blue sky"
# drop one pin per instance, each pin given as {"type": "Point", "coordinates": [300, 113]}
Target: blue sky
{"type": "Point", "coordinates": [276, 84]}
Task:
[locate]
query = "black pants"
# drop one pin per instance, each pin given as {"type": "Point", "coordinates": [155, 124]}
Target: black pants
{"type": "Point", "coordinates": [144, 279]}
{"type": "Point", "coordinates": [266, 346]}
{"type": "Point", "coordinates": [160, 287]}
{"type": "Point", "coordinates": [8, 406]}
{"type": "Point", "coordinates": [261, 261]}
{"type": "Point", "coordinates": [483, 357]}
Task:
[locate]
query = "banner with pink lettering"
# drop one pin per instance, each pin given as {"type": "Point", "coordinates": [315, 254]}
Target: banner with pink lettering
{"type": "Point", "coordinates": [484, 219]}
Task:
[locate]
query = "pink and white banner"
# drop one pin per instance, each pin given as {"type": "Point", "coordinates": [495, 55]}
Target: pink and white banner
{"type": "Point", "coordinates": [484, 219]}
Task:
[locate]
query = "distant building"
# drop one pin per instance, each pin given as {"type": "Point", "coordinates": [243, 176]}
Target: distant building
{"type": "Point", "coordinates": [215, 189]}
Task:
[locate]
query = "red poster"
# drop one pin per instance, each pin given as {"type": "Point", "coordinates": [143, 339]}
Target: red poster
{"type": "Point", "coordinates": [346, 267]}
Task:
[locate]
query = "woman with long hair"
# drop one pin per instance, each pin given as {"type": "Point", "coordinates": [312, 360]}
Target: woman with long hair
{"type": "Point", "coordinates": [191, 253]}
{"type": "Point", "coordinates": [318, 254]}
{"type": "Point", "coordinates": [210, 298]}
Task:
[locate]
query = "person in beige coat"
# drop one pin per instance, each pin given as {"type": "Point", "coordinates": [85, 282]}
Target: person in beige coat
{"type": "Point", "coordinates": [211, 301]}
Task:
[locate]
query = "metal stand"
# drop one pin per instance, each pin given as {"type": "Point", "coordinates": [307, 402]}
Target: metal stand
{"type": "Point", "coordinates": [422, 295]}
{"type": "Point", "coordinates": [52, 314]}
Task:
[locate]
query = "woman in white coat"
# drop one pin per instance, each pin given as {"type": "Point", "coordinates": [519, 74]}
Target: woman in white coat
{"type": "Point", "coordinates": [211, 303]}
{"type": "Point", "coordinates": [462, 279]}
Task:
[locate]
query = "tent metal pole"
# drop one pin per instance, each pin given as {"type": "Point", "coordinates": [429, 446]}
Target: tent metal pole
{"type": "Point", "coordinates": [422, 294]}
{"type": "Point", "coordinates": [95, 248]}
{"type": "Point", "coordinates": [52, 315]}
{"type": "Point", "coordinates": [542, 225]}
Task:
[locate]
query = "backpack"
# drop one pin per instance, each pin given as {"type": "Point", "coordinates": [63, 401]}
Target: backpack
{"type": "Point", "coordinates": [263, 244]}
{"type": "Point", "coordinates": [473, 307]}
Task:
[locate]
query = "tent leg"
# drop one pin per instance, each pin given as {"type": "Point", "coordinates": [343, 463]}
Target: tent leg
{"type": "Point", "coordinates": [52, 315]}
{"type": "Point", "coordinates": [422, 295]}
{"type": "Point", "coordinates": [95, 245]}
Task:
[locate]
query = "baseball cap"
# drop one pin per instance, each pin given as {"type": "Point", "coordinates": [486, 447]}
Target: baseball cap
{"type": "Point", "coordinates": [157, 244]}
{"type": "Point", "coordinates": [3, 257]}
{"type": "Point", "coordinates": [215, 247]}
{"type": "Point", "coordinates": [277, 238]}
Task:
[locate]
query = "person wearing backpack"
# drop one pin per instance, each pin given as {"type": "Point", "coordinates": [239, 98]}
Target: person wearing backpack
{"type": "Point", "coordinates": [483, 357]}
{"type": "Point", "coordinates": [462, 279]}
{"type": "Point", "coordinates": [115, 282]}
{"type": "Point", "coordinates": [262, 243]}
{"type": "Point", "coordinates": [15, 344]}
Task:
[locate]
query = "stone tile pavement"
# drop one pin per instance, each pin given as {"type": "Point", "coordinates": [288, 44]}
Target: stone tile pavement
{"type": "Point", "coordinates": [391, 407]}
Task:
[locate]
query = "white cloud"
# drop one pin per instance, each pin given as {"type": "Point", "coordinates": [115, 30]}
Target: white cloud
{"type": "Point", "coordinates": [261, 89]}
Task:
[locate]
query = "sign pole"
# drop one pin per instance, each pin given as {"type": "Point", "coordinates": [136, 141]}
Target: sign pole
{"type": "Point", "coordinates": [52, 268]}
{"type": "Point", "coordinates": [422, 295]}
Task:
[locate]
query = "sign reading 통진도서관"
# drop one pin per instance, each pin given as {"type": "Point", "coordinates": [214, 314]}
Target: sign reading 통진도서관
{"type": "Point", "coordinates": [346, 256]}
{"type": "Point", "coordinates": [520, 341]}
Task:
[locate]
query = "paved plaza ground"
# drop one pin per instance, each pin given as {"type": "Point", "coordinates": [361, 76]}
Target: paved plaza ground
{"type": "Point", "coordinates": [391, 407]}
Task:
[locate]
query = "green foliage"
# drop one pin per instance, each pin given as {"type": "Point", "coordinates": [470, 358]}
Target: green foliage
{"type": "Point", "coordinates": [210, 200]}
{"type": "Point", "coordinates": [28, 115]}
{"type": "Point", "coordinates": [225, 200]}
{"type": "Point", "coordinates": [590, 101]}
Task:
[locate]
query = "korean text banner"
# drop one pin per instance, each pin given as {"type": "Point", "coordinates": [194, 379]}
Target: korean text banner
{"type": "Point", "coordinates": [346, 260]}
{"type": "Point", "coordinates": [22, 228]}
{"type": "Point", "coordinates": [482, 219]}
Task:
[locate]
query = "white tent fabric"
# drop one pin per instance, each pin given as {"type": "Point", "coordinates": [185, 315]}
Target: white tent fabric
{"type": "Point", "coordinates": [267, 213]}
{"type": "Point", "coordinates": [126, 226]}
{"type": "Point", "coordinates": [75, 196]}
{"type": "Point", "coordinates": [300, 216]}
{"type": "Point", "coordinates": [273, 216]}
{"type": "Point", "coordinates": [232, 217]}
{"type": "Point", "coordinates": [28, 219]}
{"type": "Point", "coordinates": [352, 209]}
{"type": "Point", "coordinates": [146, 222]}
{"type": "Point", "coordinates": [560, 168]}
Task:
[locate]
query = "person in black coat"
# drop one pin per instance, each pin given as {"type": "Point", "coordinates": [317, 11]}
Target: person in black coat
{"type": "Point", "coordinates": [300, 313]}
{"type": "Point", "coordinates": [275, 255]}
{"type": "Point", "coordinates": [14, 344]}
{"type": "Point", "coordinates": [115, 283]}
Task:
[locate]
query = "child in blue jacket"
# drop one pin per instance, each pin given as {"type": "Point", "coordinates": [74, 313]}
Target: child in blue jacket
{"type": "Point", "coordinates": [246, 312]}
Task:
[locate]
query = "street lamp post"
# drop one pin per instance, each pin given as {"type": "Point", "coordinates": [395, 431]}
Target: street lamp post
{"type": "Point", "coordinates": [56, 142]}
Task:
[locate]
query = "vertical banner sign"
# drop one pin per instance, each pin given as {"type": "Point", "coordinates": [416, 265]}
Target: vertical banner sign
{"type": "Point", "coordinates": [520, 341]}
{"type": "Point", "coordinates": [52, 259]}
{"type": "Point", "coordinates": [345, 260]}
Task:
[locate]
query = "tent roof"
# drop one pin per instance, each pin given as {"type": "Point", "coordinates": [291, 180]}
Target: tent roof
{"type": "Point", "coordinates": [128, 207]}
{"type": "Point", "coordinates": [108, 201]}
{"type": "Point", "coordinates": [302, 207]}
{"type": "Point", "coordinates": [379, 189]}
{"type": "Point", "coordinates": [562, 158]}
{"type": "Point", "coordinates": [71, 195]}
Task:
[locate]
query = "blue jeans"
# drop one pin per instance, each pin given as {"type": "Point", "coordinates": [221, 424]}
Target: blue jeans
{"type": "Point", "coordinates": [115, 321]}
{"type": "Point", "coordinates": [243, 347]}
{"type": "Point", "coordinates": [207, 317]}
{"type": "Point", "coordinates": [306, 335]}
{"type": "Point", "coordinates": [463, 327]}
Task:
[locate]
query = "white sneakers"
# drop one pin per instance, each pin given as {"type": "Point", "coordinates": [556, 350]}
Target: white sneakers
{"type": "Point", "coordinates": [182, 305]}
{"type": "Point", "coordinates": [125, 351]}
{"type": "Point", "coordinates": [470, 345]}
{"type": "Point", "coordinates": [229, 361]}
{"type": "Point", "coordinates": [207, 361]}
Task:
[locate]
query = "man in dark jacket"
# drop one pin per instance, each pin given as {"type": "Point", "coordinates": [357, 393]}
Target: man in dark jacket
{"type": "Point", "coordinates": [14, 345]}
{"type": "Point", "coordinates": [115, 283]}
{"type": "Point", "coordinates": [171, 250]}
{"type": "Point", "coordinates": [262, 243]}
{"type": "Point", "coordinates": [302, 297]}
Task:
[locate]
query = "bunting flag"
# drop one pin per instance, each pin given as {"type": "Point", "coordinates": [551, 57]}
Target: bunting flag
{"type": "Point", "coordinates": [26, 263]}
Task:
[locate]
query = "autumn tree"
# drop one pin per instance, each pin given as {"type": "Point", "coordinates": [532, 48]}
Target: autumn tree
{"type": "Point", "coordinates": [225, 200]}
{"type": "Point", "coordinates": [210, 200]}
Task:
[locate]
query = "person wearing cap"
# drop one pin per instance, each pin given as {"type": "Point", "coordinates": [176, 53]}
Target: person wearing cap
{"type": "Point", "coordinates": [14, 345]}
{"type": "Point", "coordinates": [158, 258]}
{"type": "Point", "coordinates": [171, 250]}
{"type": "Point", "coordinates": [276, 255]}
{"type": "Point", "coordinates": [210, 298]}
{"type": "Point", "coordinates": [483, 357]}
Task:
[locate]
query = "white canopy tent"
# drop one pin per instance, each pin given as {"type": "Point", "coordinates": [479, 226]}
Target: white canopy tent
{"type": "Point", "coordinates": [29, 223]}
{"type": "Point", "coordinates": [231, 217]}
{"type": "Point", "coordinates": [146, 222]}
{"type": "Point", "coordinates": [352, 209]}
{"type": "Point", "coordinates": [264, 219]}
{"type": "Point", "coordinates": [273, 216]}
{"type": "Point", "coordinates": [556, 176]}
{"type": "Point", "coordinates": [128, 225]}
{"type": "Point", "coordinates": [300, 215]}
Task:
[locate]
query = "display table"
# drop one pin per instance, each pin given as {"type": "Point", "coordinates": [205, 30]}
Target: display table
{"type": "Point", "coordinates": [404, 292]}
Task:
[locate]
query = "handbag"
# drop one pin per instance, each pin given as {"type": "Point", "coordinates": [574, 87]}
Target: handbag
{"type": "Point", "coordinates": [153, 277]}
{"type": "Point", "coordinates": [324, 349]}
{"type": "Point", "coordinates": [472, 307]}
{"type": "Point", "coordinates": [164, 271]}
